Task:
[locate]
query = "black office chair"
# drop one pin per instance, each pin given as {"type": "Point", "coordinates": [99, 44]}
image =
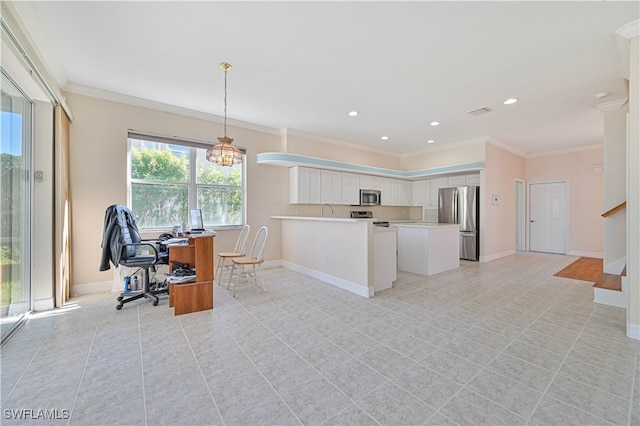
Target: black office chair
{"type": "Point", "coordinates": [121, 245]}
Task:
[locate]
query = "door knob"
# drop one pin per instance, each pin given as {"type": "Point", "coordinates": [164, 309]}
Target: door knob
{"type": "Point", "coordinates": [532, 221]}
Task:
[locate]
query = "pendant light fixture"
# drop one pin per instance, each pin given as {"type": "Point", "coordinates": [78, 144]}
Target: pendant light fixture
{"type": "Point", "coordinates": [225, 154]}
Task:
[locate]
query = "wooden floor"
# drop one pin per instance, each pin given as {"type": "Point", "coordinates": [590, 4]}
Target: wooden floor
{"type": "Point", "coordinates": [610, 282]}
{"type": "Point", "coordinates": [585, 269]}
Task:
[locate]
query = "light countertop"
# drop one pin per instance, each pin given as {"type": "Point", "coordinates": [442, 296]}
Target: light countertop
{"type": "Point", "coordinates": [322, 219]}
{"type": "Point", "coordinates": [427, 225]}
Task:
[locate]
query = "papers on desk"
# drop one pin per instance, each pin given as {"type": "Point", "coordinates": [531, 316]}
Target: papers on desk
{"type": "Point", "coordinates": [181, 279]}
{"type": "Point", "coordinates": [176, 242]}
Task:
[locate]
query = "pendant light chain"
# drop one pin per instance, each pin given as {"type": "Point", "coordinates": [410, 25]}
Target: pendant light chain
{"type": "Point", "coordinates": [225, 154]}
{"type": "Point", "coordinates": [225, 98]}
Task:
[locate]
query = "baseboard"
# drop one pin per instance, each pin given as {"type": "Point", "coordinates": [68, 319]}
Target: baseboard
{"type": "Point", "coordinates": [584, 254]}
{"type": "Point", "coordinates": [330, 279]}
{"type": "Point", "coordinates": [610, 297]}
{"type": "Point", "coordinates": [616, 266]}
{"type": "Point", "coordinates": [90, 288]}
{"type": "Point", "coordinates": [497, 255]}
{"type": "Point", "coordinates": [633, 331]}
{"type": "Point", "coordinates": [43, 304]}
{"type": "Point", "coordinates": [272, 264]}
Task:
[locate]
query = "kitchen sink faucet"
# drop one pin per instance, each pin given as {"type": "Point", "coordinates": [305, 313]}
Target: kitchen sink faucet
{"type": "Point", "coordinates": [322, 209]}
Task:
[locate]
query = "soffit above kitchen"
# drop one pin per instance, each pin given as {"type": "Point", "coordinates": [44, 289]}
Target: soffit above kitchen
{"type": "Point", "coordinates": [400, 65]}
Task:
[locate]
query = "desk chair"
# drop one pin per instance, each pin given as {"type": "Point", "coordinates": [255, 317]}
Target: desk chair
{"type": "Point", "coordinates": [121, 245]}
{"type": "Point", "coordinates": [238, 251]}
{"type": "Point", "coordinates": [255, 258]}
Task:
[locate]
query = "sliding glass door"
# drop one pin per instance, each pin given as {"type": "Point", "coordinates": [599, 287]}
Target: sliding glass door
{"type": "Point", "coordinates": [16, 123]}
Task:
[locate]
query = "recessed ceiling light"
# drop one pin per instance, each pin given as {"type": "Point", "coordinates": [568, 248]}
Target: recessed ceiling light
{"type": "Point", "coordinates": [430, 141]}
{"type": "Point", "coordinates": [353, 113]}
{"type": "Point", "coordinates": [510, 101]}
{"type": "Point", "coordinates": [434, 123]}
{"type": "Point", "coordinates": [384, 138]}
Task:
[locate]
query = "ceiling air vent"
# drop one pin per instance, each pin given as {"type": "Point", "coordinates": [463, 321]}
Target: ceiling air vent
{"type": "Point", "coordinates": [480, 111]}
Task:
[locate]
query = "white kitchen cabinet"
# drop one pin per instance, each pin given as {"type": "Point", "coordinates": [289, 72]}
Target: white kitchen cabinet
{"type": "Point", "coordinates": [298, 185]}
{"type": "Point", "coordinates": [304, 185]}
{"type": "Point", "coordinates": [386, 191]}
{"type": "Point", "coordinates": [456, 181]}
{"type": "Point", "coordinates": [330, 187]}
{"type": "Point", "coordinates": [314, 186]}
{"type": "Point", "coordinates": [350, 189]}
{"type": "Point", "coordinates": [472, 179]}
{"type": "Point", "coordinates": [435, 185]}
{"type": "Point", "coordinates": [422, 193]}
{"type": "Point", "coordinates": [384, 258]}
{"type": "Point", "coordinates": [407, 193]}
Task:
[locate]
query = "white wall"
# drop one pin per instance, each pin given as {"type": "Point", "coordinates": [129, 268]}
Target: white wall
{"type": "Point", "coordinates": [586, 195]}
{"type": "Point", "coordinates": [615, 187]}
{"type": "Point", "coordinates": [498, 221]}
{"type": "Point", "coordinates": [98, 151]}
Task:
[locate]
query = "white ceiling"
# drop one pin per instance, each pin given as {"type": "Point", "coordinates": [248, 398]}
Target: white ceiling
{"type": "Point", "coordinates": [402, 65]}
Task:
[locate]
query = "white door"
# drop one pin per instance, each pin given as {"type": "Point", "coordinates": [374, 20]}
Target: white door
{"type": "Point", "coordinates": [548, 217]}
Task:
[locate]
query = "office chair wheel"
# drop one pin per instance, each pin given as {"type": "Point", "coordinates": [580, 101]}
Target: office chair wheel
{"type": "Point", "coordinates": [154, 303]}
{"type": "Point", "coordinates": [119, 299]}
{"type": "Point", "coordinates": [119, 306]}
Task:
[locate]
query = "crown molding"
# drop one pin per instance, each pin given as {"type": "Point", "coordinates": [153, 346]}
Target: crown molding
{"type": "Point", "coordinates": [629, 30]}
{"type": "Point", "coordinates": [159, 106]}
{"type": "Point", "coordinates": [612, 105]}
{"type": "Point", "coordinates": [567, 150]}
{"type": "Point", "coordinates": [318, 138]}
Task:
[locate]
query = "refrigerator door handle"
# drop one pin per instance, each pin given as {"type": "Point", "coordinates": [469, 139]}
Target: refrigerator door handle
{"type": "Point", "coordinates": [456, 218]}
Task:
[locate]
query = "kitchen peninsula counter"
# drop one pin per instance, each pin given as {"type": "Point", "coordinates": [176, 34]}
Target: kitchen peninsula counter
{"type": "Point", "coordinates": [338, 251]}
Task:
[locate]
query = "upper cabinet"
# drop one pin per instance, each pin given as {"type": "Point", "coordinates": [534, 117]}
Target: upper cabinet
{"type": "Point", "coordinates": [350, 189]}
{"type": "Point", "coordinates": [456, 181]}
{"type": "Point", "coordinates": [316, 186]}
{"type": "Point", "coordinates": [462, 180]}
{"type": "Point", "coordinates": [304, 185]}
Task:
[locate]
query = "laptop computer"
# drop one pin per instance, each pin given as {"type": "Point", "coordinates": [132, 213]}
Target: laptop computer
{"type": "Point", "coordinates": [197, 226]}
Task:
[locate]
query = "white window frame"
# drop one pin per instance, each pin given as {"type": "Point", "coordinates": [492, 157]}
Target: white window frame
{"type": "Point", "coordinates": [192, 185]}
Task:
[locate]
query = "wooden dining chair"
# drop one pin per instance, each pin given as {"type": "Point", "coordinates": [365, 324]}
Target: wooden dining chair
{"type": "Point", "coordinates": [238, 251]}
{"type": "Point", "coordinates": [255, 258]}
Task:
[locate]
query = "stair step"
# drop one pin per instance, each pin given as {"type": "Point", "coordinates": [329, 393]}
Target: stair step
{"type": "Point", "coordinates": [609, 282]}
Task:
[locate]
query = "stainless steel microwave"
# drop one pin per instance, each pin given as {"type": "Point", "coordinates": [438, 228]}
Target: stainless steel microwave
{"type": "Point", "coordinates": [369, 197]}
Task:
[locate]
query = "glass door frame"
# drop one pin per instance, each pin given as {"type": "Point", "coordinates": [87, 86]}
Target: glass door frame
{"type": "Point", "coordinates": [26, 231]}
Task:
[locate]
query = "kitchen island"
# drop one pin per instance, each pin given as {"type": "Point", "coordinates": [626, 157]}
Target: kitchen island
{"type": "Point", "coordinates": [428, 248]}
{"type": "Point", "coordinates": [338, 251]}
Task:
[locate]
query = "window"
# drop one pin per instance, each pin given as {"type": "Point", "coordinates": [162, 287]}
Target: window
{"type": "Point", "coordinates": [169, 177]}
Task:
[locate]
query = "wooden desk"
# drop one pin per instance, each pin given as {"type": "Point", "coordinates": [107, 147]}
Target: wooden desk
{"type": "Point", "coordinates": [197, 296]}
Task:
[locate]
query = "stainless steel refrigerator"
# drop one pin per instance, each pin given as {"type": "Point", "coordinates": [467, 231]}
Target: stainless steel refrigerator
{"type": "Point", "coordinates": [461, 205]}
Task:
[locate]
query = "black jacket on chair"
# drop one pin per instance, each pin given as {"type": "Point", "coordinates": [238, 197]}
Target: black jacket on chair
{"type": "Point", "coordinates": [118, 222]}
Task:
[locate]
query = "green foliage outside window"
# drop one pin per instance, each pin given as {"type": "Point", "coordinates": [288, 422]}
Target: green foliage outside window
{"type": "Point", "coordinates": [161, 181]}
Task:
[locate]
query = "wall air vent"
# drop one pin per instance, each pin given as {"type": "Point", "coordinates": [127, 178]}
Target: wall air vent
{"type": "Point", "coordinates": [480, 111]}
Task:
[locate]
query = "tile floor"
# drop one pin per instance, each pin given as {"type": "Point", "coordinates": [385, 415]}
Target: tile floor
{"type": "Point", "coordinates": [503, 342]}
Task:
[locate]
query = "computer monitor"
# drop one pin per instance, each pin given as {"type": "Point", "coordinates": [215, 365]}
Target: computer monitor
{"type": "Point", "coordinates": [196, 221]}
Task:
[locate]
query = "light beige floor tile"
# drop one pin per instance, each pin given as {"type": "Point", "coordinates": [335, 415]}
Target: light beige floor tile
{"type": "Point", "coordinates": [469, 408]}
{"type": "Point", "coordinates": [522, 371]}
{"type": "Point", "coordinates": [391, 405]}
{"type": "Point", "coordinates": [316, 401]}
{"type": "Point", "coordinates": [597, 402]}
{"type": "Point", "coordinates": [551, 411]}
{"type": "Point", "coordinates": [241, 358]}
{"type": "Point", "coordinates": [505, 392]}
